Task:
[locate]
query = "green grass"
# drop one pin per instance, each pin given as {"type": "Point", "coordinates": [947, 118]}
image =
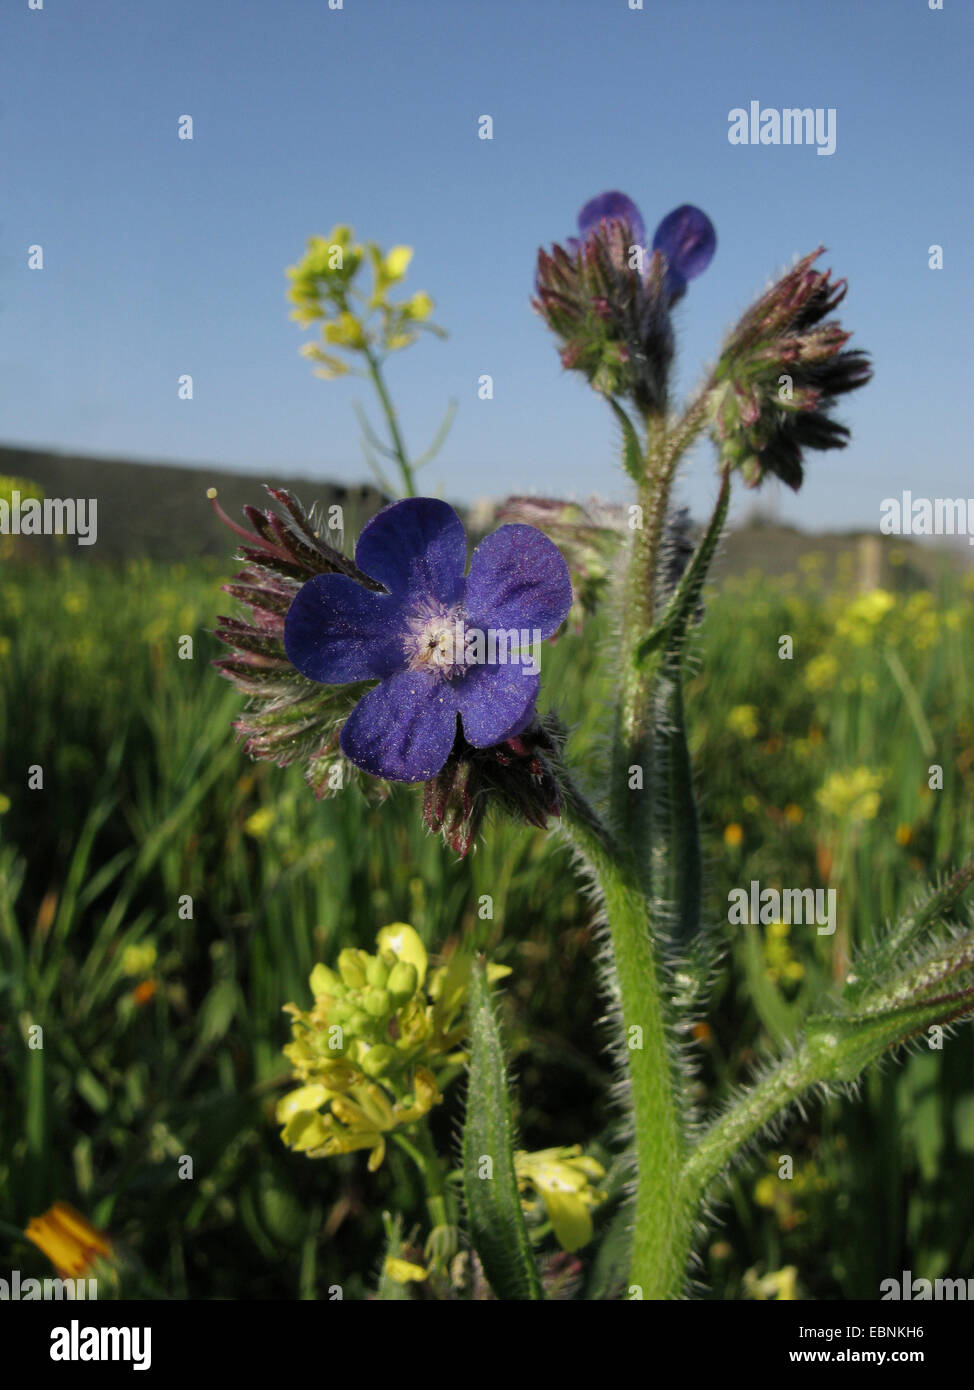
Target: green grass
{"type": "Point", "coordinates": [147, 799]}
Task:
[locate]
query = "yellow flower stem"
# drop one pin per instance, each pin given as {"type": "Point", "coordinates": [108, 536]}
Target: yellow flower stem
{"type": "Point", "coordinates": [389, 410]}
{"type": "Point", "coordinates": [430, 1165]}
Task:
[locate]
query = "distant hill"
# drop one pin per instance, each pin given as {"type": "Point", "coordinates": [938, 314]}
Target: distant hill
{"type": "Point", "coordinates": [161, 511]}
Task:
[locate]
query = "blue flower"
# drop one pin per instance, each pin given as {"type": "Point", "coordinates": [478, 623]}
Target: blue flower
{"type": "Point", "coordinates": [419, 638]}
{"type": "Point", "coordinates": [686, 236]}
{"type": "Point", "coordinates": [687, 239]}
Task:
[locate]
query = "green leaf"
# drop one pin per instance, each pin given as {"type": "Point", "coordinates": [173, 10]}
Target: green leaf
{"type": "Point", "coordinates": [844, 1047]}
{"type": "Point", "coordinates": [865, 979]}
{"type": "Point", "coordinates": [632, 452]}
{"type": "Point", "coordinates": [607, 1278]}
{"type": "Point", "coordinates": [678, 872]}
{"type": "Point", "coordinates": [91, 1090]}
{"type": "Point", "coordinates": [438, 439]}
{"type": "Point", "coordinates": [219, 1007]}
{"type": "Point", "coordinates": [672, 627]}
{"type": "Point", "coordinates": [494, 1215]}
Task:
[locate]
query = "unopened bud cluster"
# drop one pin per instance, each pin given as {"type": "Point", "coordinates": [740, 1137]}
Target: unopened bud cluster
{"type": "Point", "coordinates": [779, 375]}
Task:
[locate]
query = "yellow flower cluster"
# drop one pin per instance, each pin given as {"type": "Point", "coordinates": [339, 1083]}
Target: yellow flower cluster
{"type": "Point", "coordinates": [324, 289]}
{"type": "Point", "coordinates": [369, 1053]}
{"type": "Point", "coordinates": [743, 721]}
{"type": "Point", "coordinates": [783, 1195]}
{"type": "Point", "coordinates": [780, 963]}
{"type": "Point", "coordinates": [852, 795]}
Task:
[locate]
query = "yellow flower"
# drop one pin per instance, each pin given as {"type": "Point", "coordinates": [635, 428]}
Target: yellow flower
{"type": "Point", "coordinates": [766, 1190]}
{"type": "Point", "coordinates": [68, 1240]}
{"type": "Point", "coordinates": [853, 795]}
{"type": "Point", "coordinates": [743, 721]}
{"type": "Point", "coordinates": [794, 815]}
{"type": "Point", "coordinates": [780, 1285]}
{"type": "Point", "coordinates": [562, 1178]}
{"type": "Point", "coordinates": [419, 307]}
{"type": "Point", "coordinates": [138, 960]}
{"type": "Point", "coordinates": [403, 1271]}
{"type": "Point", "coordinates": [346, 331]}
{"type": "Point", "coordinates": [259, 823]}
{"type": "Point", "coordinates": [821, 671]}
{"type": "Point", "coordinates": [864, 615]}
{"type": "Point", "coordinates": [903, 834]}
{"type": "Point", "coordinates": [395, 263]}
{"type": "Point", "coordinates": [405, 943]}
{"type": "Point", "coordinates": [733, 835]}
{"type": "Point", "coordinates": [779, 960]}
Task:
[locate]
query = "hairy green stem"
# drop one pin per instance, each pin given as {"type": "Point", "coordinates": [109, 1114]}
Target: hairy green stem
{"type": "Point", "coordinates": [720, 1144]}
{"type": "Point", "coordinates": [661, 1227]}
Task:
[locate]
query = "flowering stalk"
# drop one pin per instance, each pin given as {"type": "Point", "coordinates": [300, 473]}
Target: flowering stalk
{"type": "Point", "coordinates": [367, 325]}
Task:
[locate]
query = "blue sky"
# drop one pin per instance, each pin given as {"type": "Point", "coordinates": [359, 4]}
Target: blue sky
{"type": "Point", "coordinates": [164, 256]}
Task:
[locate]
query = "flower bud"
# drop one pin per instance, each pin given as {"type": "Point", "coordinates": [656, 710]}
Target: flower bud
{"type": "Point", "coordinates": [377, 972]}
{"type": "Point", "coordinates": [378, 1003]}
{"type": "Point", "coordinates": [406, 944]}
{"type": "Point", "coordinates": [520, 776]}
{"type": "Point", "coordinates": [778, 377]}
{"type": "Point", "coordinates": [403, 980]}
{"type": "Point", "coordinates": [378, 1060]}
{"type": "Point", "coordinates": [609, 312]}
{"type": "Point", "coordinates": [325, 983]}
{"type": "Point", "coordinates": [351, 966]}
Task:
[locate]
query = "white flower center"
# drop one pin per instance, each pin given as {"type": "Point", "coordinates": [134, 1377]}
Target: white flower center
{"type": "Point", "coordinates": [435, 642]}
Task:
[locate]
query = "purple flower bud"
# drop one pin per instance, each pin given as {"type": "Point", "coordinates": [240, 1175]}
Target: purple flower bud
{"type": "Point", "coordinates": [521, 775]}
{"type": "Point", "coordinates": [687, 239]}
{"type": "Point", "coordinates": [611, 207]}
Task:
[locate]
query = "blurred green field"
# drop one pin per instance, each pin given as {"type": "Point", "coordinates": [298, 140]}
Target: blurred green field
{"type": "Point", "coordinates": [163, 1032]}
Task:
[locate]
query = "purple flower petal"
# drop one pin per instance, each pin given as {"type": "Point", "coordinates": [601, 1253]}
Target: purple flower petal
{"type": "Point", "coordinates": [687, 239]}
{"type": "Point", "coordinates": [416, 547]}
{"type": "Point", "coordinates": [403, 729]}
{"type": "Point", "coordinates": [496, 702]}
{"type": "Point", "coordinates": [610, 207]}
{"type": "Point", "coordinates": [336, 631]}
{"type": "Point", "coordinates": [518, 578]}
